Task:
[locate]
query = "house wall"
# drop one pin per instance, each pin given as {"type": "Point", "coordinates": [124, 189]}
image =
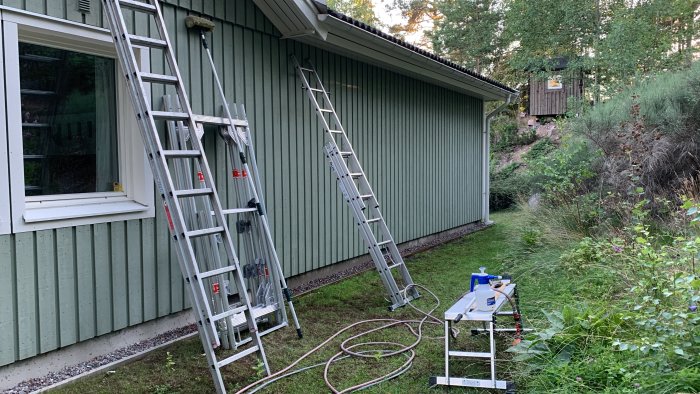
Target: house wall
{"type": "Point", "coordinates": [552, 102]}
{"type": "Point", "coordinates": [419, 144]}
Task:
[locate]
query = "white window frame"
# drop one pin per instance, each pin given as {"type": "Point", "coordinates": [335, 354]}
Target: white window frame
{"type": "Point", "coordinates": [31, 213]}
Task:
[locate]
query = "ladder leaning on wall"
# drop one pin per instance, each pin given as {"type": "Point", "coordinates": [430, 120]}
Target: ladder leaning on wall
{"type": "Point", "coordinates": [196, 219]}
{"type": "Point", "coordinates": [358, 193]}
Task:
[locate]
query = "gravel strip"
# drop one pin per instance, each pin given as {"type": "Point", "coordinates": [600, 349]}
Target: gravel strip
{"type": "Point", "coordinates": [34, 384]}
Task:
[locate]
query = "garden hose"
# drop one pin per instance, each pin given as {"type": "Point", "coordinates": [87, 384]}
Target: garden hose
{"type": "Point", "coordinates": [350, 350]}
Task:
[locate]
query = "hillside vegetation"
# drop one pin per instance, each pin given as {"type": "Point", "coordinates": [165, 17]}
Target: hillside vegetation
{"type": "Point", "coordinates": [623, 182]}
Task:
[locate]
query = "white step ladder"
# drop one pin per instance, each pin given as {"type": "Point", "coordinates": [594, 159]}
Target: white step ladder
{"type": "Point", "coordinates": [358, 193]}
{"type": "Point", "coordinates": [184, 180]}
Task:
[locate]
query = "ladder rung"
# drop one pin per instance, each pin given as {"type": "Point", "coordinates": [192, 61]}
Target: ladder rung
{"type": "Point", "coordinates": [335, 131]}
{"type": "Point", "coordinates": [147, 41]}
{"type": "Point", "coordinates": [355, 174]}
{"type": "Point", "coordinates": [236, 210]}
{"type": "Point", "coordinates": [305, 69]}
{"type": "Point", "coordinates": [181, 153]}
{"type": "Point", "coordinates": [372, 220]}
{"type": "Point", "coordinates": [205, 231]}
{"type": "Point", "coordinates": [391, 267]}
{"type": "Point", "coordinates": [228, 313]}
{"type": "Point", "coordinates": [138, 6]}
{"type": "Point", "coordinates": [365, 196]}
{"type": "Point", "coordinates": [193, 192]}
{"type": "Point", "coordinates": [316, 90]}
{"type": "Point", "coordinates": [158, 78]}
{"type": "Point", "coordinates": [36, 125]}
{"type": "Point", "coordinates": [346, 153]}
{"type": "Point", "coordinates": [383, 243]}
{"type": "Point", "coordinates": [170, 115]}
{"type": "Point", "coordinates": [218, 271]}
{"type": "Point", "coordinates": [325, 110]}
{"type": "Point", "coordinates": [237, 356]}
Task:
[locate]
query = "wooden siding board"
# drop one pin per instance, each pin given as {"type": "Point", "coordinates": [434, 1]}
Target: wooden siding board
{"type": "Point", "coordinates": [27, 319]}
{"type": "Point", "coordinates": [8, 288]}
{"type": "Point", "coordinates": [67, 286]}
{"type": "Point", "coordinates": [47, 290]}
{"type": "Point", "coordinates": [134, 272]}
{"type": "Point", "coordinates": [86, 264]}
{"type": "Point", "coordinates": [103, 280]}
{"type": "Point", "coordinates": [120, 284]}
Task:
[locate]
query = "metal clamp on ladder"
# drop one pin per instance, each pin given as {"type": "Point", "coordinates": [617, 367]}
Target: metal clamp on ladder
{"type": "Point", "coordinates": [358, 193]}
{"type": "Point", "coordinates": [185, 182]}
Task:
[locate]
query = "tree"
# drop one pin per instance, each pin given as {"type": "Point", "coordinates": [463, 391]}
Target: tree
{"type": "Point", "coordinates": [417, 13]}
{"type": "Point", "coordinates": [362, 10]}
{"type": "Point", "coordinates": [469, 33]}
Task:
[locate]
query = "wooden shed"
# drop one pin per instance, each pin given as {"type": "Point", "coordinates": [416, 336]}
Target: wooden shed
{"type": "Point", "coordinates": [549, 91]}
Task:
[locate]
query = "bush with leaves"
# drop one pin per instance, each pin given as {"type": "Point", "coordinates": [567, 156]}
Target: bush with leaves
{"type": "Point", "coordinates": [642, 334]}
{"type": "Point", "coordinates": [507, 185]}
{"type": "Point", "coordinates": [505, 134]}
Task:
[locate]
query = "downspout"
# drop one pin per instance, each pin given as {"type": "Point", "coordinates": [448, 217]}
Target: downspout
{"type": "Point", "coordinates": [486, 158]}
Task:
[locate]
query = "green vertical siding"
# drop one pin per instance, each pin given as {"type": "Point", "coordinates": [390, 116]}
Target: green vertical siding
{"type": "Point", "coordinates": [419, 144]}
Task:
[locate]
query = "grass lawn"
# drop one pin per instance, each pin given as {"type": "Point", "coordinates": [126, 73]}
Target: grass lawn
{"type": "Point", "coordinates": [445, 270]}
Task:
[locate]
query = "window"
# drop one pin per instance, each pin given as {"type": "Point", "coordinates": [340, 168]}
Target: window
{"type": "Point", "coordinates": [69, 133]}
{"type": "Point", "coordinates": [74, 158]}
{"type": "Point", "coordinates": [554, 83]}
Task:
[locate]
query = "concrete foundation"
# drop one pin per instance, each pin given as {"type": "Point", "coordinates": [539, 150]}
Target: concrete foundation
{"type": "Point", "coordinates": [39, 366]}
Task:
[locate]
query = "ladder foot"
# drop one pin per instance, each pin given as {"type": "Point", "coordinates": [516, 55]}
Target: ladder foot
{"type": "Point", "coordinates": [299, 333]}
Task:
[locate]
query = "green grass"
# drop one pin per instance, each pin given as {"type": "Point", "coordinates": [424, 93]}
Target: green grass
{"type": "Point", "coordinates": [506, 246]}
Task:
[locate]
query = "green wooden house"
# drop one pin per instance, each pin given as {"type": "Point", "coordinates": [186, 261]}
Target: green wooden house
{"type": "Point", "coordinates": [84, 247]}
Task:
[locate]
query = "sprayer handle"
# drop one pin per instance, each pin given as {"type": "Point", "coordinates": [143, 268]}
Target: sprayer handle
{"type": "Point", "coordinates": [471, 283]}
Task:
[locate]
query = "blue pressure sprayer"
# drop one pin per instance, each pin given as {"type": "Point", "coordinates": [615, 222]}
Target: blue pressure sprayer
{"type": "Point", "coordinates": [485, 296]}
{"type": "Point", "coordinates": [482, 277]}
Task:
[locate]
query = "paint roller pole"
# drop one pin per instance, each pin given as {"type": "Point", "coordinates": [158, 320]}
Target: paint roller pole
{"type": "Point", "coordinates": [205, 25]}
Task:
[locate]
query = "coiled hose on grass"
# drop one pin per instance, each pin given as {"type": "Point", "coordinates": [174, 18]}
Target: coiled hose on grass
{"type": "Point", "coordinates": [350, 350]}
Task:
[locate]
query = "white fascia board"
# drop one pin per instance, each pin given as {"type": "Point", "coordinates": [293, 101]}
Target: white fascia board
{"type": "Point", "coordinates": [344, 37]}
{"type": "Point", "coordinates": [293, 18]}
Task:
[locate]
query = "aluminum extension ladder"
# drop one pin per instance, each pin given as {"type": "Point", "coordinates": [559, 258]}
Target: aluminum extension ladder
{"type": "Point", "coordinates": [206, 279]}
{"type": "Point", "coordinates": [358, 193]}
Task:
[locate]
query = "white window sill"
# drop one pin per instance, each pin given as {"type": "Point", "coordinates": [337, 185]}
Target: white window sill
{"type": "Point", "coordinates": [44, 214]}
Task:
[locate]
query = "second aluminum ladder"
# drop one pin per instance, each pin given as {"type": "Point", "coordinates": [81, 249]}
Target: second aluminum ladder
{"type": "Point", "coordinates": [358, 193]}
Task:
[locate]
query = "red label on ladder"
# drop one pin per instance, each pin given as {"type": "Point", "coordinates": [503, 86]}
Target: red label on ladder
{"type": "Point", "coordinates": [215, 287]}
{"type": "Point", "coordinates": [200, 176]}
{"type": "Point", "coordinates": [235, 173]}
{"type": "Point", "coordinates": [167, 215]}
{"type": "Point", "coordinates": [244, 173]}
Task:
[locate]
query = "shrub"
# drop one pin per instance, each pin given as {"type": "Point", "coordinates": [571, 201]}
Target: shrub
{"type": "Point", "coordinates": [540, 149]}
{"type": "Point", "coordinates": [506, 187]}
{"type": "Point", "coordinates": [505, 134]}
{"type": "Point", "coordinates": [648, 133]}
{"type": "Point", "coordinates": [644, 334]}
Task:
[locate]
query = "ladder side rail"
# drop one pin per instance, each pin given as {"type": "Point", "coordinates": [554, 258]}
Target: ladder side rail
{"type": "Point", "coordinates": [365, 231]}
{"type": "Point", "coordinates": [128, 64]}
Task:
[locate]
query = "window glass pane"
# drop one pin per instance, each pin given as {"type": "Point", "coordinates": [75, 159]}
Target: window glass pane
{"type": "Point", "coordinates": [68, 121]}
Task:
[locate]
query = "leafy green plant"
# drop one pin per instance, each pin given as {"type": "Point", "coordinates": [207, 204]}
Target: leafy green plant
{"type": "Point", "coordinates": [259, 369]}
{"type": "Point", "coordinates": [540, 149]}
{"type": "Point", "coordinates": [169, 361]}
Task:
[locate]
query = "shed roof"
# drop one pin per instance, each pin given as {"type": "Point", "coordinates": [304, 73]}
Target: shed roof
{"type": "Point", "coordinates": [311, 21]}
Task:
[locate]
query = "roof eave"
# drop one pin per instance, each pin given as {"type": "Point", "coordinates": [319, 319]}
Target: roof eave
{"type": "Point", "coordinates": [380, 51]}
